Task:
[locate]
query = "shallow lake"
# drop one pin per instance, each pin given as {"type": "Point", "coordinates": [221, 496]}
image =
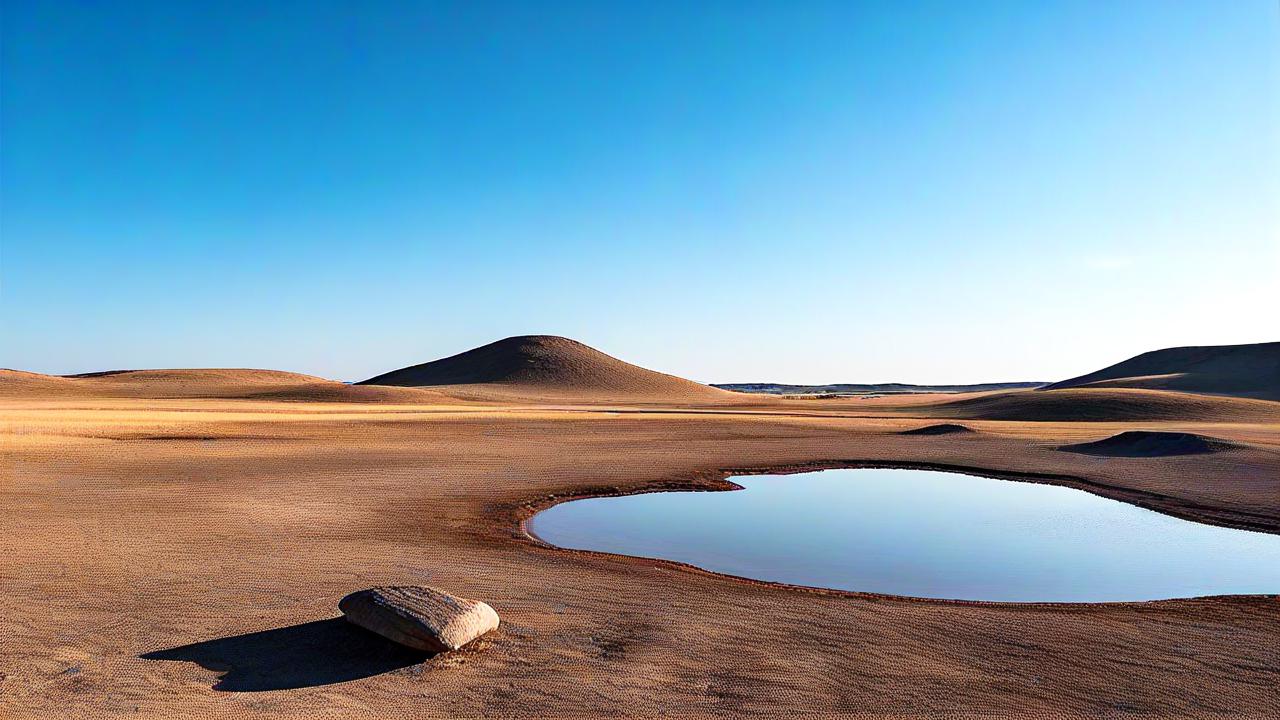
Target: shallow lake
{"type": "Point", "coordinates": [926, 534]}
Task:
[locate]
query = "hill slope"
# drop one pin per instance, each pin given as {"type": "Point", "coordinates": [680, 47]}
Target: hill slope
{"type": "Point", "coordinates": [1145, 443]}
{"type": "Point", "coordinates": [220, 383]}
{"type": "Point", "coordinates": [870, 388]}
{"type": "Point", "coordinates": [1250, 371]}
{"type": "Point", "coordinates": [547, 365]}
{"type": "Point", "coordinates": [943, 429]}
{"type": "Point", "coordinates": [1094, 404]}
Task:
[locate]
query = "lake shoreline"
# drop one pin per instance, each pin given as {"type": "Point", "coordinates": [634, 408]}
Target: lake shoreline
{"type": "Point", "coordinates": [668, 530]}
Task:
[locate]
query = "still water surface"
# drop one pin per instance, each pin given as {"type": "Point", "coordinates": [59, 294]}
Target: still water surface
{"type": "Point", "coordinates": [926, 534]}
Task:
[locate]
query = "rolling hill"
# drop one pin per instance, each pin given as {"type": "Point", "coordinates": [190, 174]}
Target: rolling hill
{"type": "Point", "coordinates": [871, 388]}
{"type": "Point", "coordinates": [212, 383]}
{"type": "Point", "coordinates": [537, 366]}
{"type": "Point", "coordinates": [1247, 371]}
{"type": "Point", "coordinates": [1102, 404]}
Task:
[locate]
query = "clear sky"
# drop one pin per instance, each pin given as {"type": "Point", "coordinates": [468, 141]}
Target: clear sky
{"type": "Point", "coordinates": [729, 191]}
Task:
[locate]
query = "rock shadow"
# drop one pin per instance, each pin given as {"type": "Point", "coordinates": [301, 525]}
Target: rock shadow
{"type": "Point", "coordinates": [315, 653]}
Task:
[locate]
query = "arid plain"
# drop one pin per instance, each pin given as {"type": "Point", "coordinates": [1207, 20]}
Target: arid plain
{"type": "Point", "coordinates": [176, 543]}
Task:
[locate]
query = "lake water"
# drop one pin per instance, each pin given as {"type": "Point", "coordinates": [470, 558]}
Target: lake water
{"type": "Point", "coordinates": [926, 534]}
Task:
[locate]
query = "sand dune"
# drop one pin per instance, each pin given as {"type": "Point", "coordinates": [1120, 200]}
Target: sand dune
{"type": "Point", "coordinates": [1106, 405]}
{"type": "Point", "coordinates": [539, 366]}
{"type": "Point", "coordinates": [1143, 443]}
{"type": "Point", "coordinates": [871, 388]}
{"type": "Point", "coordinates": [1249, 371]}
{"type": "Point", "coordinates": [943, 429]}
{"type": "Point", "coordinates": [222, 383]}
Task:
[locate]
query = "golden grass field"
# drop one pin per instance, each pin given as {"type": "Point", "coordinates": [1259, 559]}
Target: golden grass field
{"type": "Point", "coordinates": [176, 543]}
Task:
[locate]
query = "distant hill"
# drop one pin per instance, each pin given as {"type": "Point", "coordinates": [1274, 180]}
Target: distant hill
{"type": "Point", "coordinates": [866, 389]}
{"type": "Point", "coordinates": [1247, 371]}
{"type": "Point", "coordinates": [548, 366]}
{"type": "Point", "coordinates": [221, 383]}
{"type": "Point", "coordinates": [1091, 404]}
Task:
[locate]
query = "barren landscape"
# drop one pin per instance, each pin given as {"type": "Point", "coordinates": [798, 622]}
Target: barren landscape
{"type": "Point", "coordinates": [177, 543]}
{"type": "Point", "coordinates": [492, 359]}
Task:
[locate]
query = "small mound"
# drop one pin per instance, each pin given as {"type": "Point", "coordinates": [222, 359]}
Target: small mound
{"type": "Point", "coordinates": [546, 365]}
{"type": "Point", "coordinates": [943, 429]}
{"type": "Point", "coordinates": [1145, 443]}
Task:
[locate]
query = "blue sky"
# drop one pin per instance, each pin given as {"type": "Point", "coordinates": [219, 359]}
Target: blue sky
{"type": "Point", "coordinates": [800, 192]}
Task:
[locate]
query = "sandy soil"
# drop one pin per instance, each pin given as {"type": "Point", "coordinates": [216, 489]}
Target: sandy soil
{"type": "Point", "coordinates": [184, 556]}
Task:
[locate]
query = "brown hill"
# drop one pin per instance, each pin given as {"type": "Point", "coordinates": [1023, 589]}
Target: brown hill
{"type": "Point", "coordinates": [943, 429]}
{"type": "Point", "coordinates": [1251, 371]}
{"type": "Point", "coordinates": [222, 383]}
{"type": "Point", "coordinates": [549, 366]}
{"type": "Point", "coordinates": [1104, 405]}
{"type": "Point", "coordinates": [1143, 443]}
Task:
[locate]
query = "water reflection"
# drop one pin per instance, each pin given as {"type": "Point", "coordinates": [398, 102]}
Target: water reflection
{"type": "Point", "coordinates": [926, 534]}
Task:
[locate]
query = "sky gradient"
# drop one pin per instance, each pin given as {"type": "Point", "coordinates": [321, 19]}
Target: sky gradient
{"type": "Point", "coordinates": [794, 192]}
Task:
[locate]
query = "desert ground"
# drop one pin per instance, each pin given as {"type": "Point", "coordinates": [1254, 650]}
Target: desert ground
{"type": "Point", "coordinates": [176, 543]}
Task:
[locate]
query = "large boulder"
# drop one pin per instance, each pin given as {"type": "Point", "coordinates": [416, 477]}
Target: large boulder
{"type": "Point", "coordinates": [420, 617]}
